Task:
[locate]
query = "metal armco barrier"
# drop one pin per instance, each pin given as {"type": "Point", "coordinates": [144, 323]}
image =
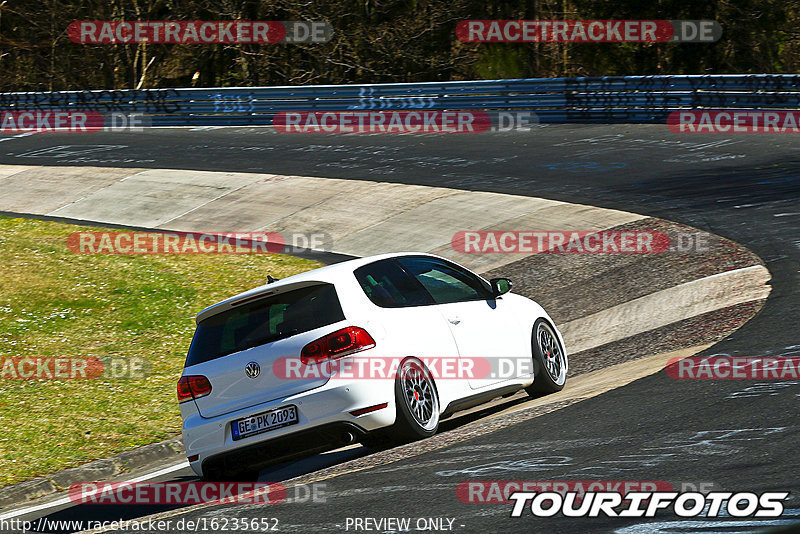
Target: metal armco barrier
{"type": "Point", "coordinates": [633, 99]}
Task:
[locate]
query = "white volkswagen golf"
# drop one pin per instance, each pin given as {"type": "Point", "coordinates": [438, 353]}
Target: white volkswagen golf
{"type": "Point", "coordinates": [376, 347]}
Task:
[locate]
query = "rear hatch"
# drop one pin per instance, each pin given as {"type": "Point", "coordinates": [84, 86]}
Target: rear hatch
{"type": "Point", "coordinates": [265, 329]}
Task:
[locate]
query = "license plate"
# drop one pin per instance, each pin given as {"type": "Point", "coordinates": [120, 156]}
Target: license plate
{"type": "Point", "coordinates": [264, 422]}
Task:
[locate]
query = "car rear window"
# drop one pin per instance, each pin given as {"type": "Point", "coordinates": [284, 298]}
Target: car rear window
{"type": "Point", "coordinates": [263, 321]}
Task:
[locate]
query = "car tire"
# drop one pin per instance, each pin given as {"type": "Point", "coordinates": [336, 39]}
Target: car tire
{"type": "Point", "coordinates": [549, 360]}
{"type": "Point", "coordinates": [416, 402]}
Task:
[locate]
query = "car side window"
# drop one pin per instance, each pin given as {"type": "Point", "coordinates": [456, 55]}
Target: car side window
{"type": "Point", "coordinates": [445, 281]}
{"type": "Point", "coordinates": [387, 285]}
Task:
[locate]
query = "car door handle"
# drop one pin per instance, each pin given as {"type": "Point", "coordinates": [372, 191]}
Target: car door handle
{"type": "Point", "coordinates": [454, 320]}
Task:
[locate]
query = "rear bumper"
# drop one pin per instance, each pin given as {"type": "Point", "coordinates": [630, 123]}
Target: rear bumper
{"type": "Point", "coordinates": [287, 447]}
{"type": "Point", "coordinates": [323, 420]}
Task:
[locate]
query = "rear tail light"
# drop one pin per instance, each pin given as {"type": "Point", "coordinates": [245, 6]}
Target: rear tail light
{"type": "Point", "coordinates": [193, 387]}
{"type": "Point", "coordinates": [340, 343]}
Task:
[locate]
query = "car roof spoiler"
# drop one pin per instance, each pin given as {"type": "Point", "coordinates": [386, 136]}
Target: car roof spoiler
{"type": "Point", "coordinates": [268, 290]}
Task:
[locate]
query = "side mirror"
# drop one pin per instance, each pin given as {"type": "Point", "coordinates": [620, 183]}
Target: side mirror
{"type": "Point", "coordinates": [500, 286]}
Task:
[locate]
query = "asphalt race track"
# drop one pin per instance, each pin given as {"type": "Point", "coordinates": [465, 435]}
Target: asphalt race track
{"type": "Point", "coordinates": [734, 434]}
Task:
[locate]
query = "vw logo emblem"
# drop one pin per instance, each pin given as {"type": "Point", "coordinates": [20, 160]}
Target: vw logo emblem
{"type": "Point", "coordinates": [252, 370]}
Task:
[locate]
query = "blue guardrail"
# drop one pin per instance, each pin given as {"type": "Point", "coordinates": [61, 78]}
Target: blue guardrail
{"type": "Point", "coordinates": [631, 99]}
